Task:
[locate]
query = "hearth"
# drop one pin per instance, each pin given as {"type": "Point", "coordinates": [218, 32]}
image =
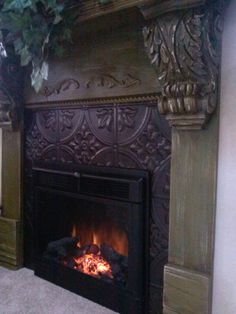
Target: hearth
{"type": "Point", "coordinates": [91, 233]}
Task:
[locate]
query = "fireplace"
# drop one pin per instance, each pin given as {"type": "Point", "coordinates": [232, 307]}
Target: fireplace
{"type": "Point", "coordinates": [91, 233]}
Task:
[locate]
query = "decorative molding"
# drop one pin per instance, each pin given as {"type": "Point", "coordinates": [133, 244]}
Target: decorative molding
{"type": "Point", "coordinates": [184, 47]}
{"type": "Point", "coordinates": [90, 102]}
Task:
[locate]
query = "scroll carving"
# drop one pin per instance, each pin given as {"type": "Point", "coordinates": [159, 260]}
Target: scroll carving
{"type": "Point", "coordinates": [101, 80]}
{"type": "Point", "coordinates": [110, 81]}
{"type": "Point", "coordinates": [64, 86]}
{"type": "Point", "coordinates": [184, 47]}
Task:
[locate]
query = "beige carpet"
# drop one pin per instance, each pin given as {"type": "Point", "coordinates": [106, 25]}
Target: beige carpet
{"type": "Point", "coordinates": [23, 293]}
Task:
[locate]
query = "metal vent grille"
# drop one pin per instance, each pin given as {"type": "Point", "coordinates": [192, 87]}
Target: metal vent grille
{"type": "Point", "coordinates": [105, 187]}
{"type": "Point", "coordinates": [57, 181]}
{"type": "Point", "coordinates": [128, 186]}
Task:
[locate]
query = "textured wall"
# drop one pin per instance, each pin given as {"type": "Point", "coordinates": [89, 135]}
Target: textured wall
{"type": "Point", "coordinates": [130, 136]}
{"type": "Point", "coordinates": [224, 293]}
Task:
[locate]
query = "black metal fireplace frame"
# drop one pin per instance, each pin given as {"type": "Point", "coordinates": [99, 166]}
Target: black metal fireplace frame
{"type": "Point", "coordinates": [68, 180]}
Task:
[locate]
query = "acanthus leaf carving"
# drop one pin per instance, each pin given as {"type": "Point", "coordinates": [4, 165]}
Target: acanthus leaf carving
{"type": "Point", "coordinates": [184, 46]}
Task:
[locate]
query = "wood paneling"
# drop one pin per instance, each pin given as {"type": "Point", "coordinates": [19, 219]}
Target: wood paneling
{"type": "Point", "coordinates": [11, 249]}
{"type": "Point", "coordinates": [192, 221]}
{"type": "Point", "coordinates": [11, 174]}
{"type": "Point", "coordinates": [10, 243]}
{"type": "Point", "coordinates": [193, 197]}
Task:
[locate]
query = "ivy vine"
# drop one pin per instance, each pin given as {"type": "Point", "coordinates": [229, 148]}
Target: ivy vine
{"type": "Point", "coordinates": [34, 28]}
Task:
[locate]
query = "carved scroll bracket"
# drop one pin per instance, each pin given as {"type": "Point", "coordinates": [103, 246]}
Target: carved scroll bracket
{"type": "Point", "coordinates": [11, 89]}
{"type": "Point", "coordinates": [184, 47]}
{"type": "Point", "coordinates": [8, 115]}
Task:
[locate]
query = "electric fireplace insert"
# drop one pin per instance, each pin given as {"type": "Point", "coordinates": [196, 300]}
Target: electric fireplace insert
{"type": "Point", "coordinates": [91, 233]}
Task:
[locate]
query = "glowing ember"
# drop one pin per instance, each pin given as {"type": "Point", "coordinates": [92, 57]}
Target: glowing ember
{"type": "Point", "coordinates": [94, 265]}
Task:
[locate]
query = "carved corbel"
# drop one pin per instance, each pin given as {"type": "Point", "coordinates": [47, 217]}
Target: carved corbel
{"type": "Point", "coordinates": [184, 47]}
{"type": "Point", "coordinates": [11, 89]}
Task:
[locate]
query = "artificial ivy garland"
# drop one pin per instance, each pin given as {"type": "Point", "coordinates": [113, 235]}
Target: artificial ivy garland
{"type": "Point", "coordinates": [35, 27]}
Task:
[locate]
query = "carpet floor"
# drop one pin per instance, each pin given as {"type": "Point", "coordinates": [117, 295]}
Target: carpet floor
{"type": "Point", "coordinates": [23, 293]}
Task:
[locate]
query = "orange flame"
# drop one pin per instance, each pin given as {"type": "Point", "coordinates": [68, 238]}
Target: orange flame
{"type": "Point", "coordinates": [110, 234]}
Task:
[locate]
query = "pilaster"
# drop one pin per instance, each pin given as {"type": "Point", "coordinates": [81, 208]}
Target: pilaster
{"type": "Point", "coordinates": [183, 44]}
{"type": "Point", "coordinates": [11, 87]}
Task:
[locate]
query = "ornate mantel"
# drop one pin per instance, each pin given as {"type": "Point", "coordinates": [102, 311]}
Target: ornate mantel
{"type": "Point", "coordinates": [182, 40]}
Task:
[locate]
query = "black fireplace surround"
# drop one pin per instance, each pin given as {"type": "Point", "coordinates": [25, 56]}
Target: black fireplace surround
{"type": "Point", "coordinates": [91, 233]}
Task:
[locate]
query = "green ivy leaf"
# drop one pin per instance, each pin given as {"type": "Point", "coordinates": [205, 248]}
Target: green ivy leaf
{"type": "Point", "coordinates": [57, 19]}
{"type": "Point", "coordinates": [25, 56]}
{"type": "Point", "coordinates": [38, 75]}
{"type": "Point", "coordinates": [105, 1]}
{"type": "Point", "coordinates": [59, 51]}
{"type": "Point", "coordinates": [17, 5]}
{"type": "Point", "coordinates": [67, 34]}
{"type": "Point", "coordinates": [35, 27]}
{"type": "Point", "coordinates": [18, 44]}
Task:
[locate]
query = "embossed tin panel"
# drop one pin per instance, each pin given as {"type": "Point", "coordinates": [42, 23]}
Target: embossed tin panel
{"type": "Point", "coordinates": [127, 135]}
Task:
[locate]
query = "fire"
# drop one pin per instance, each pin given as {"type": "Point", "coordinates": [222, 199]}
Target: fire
{"type": "Point", "coordinates": [99, 249]}
{"type": "Point", "coordinates": [107, 233]}
{"type": "Point", "coordinates": [94, 265]}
